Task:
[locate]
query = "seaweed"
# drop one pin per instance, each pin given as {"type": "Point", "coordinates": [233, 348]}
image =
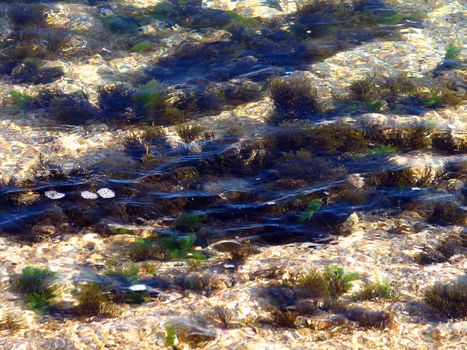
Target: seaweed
{"type": "Point", "coordinates": [147, 249]}
{"type": "Point", "coordinates": [378, 290]}
{"type": "Point", "coordinates": [310, 211]}
{"type": "Point", "coordinates": [453, 52]}
{"type": "Point", "coordinates": [339, 281]}
{"type": "Point", "coordinates": [152, 102]}
{"type": "Point", "coordinates": [407, 177]}
{"type": "Point", "coordinates": [74, 109]}
{"type": "Point", "coordinates": [116, 103]}
{"type": "Point", "coordinates": [142, 46]}
{"type": "Point", "coordinates": [429, 256]}
{"type": "Point", "coordinates": [448, 213]}
{"type": "Point", "coordinates": [449, 299]}
{"type": "Point", "coordinates": [332, 282]}
{"type": "Point", "coordinates": [28, 72]}
{"type": "Point", "coordinates": [36, 284]}
{"type": "Point", "coordinates": [321, 140]}
{"type": "Point", "coordinates": [20, 101]}
{"type": "Point", "coordinates": [11, 322]}
{"type": "Point", "coordinates": [150, 95]}
{"type": "Point", "coordinates": [222, 316]}
{"type": "Point", "coordinates": [180, 247]}
{"type": "Point", "coordinates": [127, 274]}
{"type": "Point", "coordinates": [94, 300]}
{"type": "Point", "coordinates": [171, 337]}
{"type": "Point", "coordinates": [120, 25]}
{"type": "Point", "coordinates": [189, 222]}
{"type": "Point", "coordinates": [25, 15]}
{"type": "Point", "coordinates": [142, 139]}
{"type": "Point", "coordinates": [313, 284]}
{"type": "Point", "coordinates": [294, 98]}
{"type": "Point", "coordinates": [189, 133]}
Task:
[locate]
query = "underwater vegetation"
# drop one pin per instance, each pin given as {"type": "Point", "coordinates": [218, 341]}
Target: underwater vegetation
{"type": "Point", "coordinates": [449, 299]}
{"type": "Point", "coordinates": [332, 282]}
{"type": "Point", "coordinates": [26, 14]}
{"type": "Point", "coordinates": [314, 292]}
{"type": "Point", "coordinates": [68, 109]}
{"type": "Point", "coordinates": [165, 248]}
{"type": "Point", "coordinates": [380, 289]}
{"type": "Point", "coordinates": [190, 133]}
{"type": "Point", "coordinates": [10, 322]}
{"type": "Point", "coordinates": [294, 98]}
{"type": "Point", "coordinates": [94, 300]}
{"type": "Point", "coordinates": [453, 52]}
{"type": "Point", "coordinates": [37, 286]}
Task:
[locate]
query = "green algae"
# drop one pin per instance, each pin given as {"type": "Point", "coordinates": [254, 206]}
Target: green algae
{"type": "Point", "coordinates": [142, 46]}
{"type": "Point", "coordinates": [37, 286]}
{"type": "Point", "coordinates": [120, 25]}
{"type": "Point", "coordinates": [453, 52]}
{"type": "Point", "coordinates": [20, 101]}
{"type": "Point", "coordinates": [150, 95]}
{"type": "Point", "coordinates": [311, 210]}
{"type": "Point", "coordinates": [245, 21]}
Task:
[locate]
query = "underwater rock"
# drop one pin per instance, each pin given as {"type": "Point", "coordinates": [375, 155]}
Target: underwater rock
{"type": "Point", "coordinates": [349, 225]}
{"type": "Point", "coordinates": [189, 330]}
{"type": "Point", "coordinates": [227, 245]}
{"type": "Point", "coordinates": [322, 322]}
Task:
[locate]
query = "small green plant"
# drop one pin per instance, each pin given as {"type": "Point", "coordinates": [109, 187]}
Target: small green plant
{"type": "Point", "coordinates": [93, 300]}
{"type": "Point", "coordinates": [380, 289]}
{"type": "Point", "coordinates": [453, 52]}
{"type": "Point", "coordinates": [311, 210]}
{"type": "Point", "coordinates": [171, 337]}
{"type": "Point", "coordinates": [150, 95]}
{"type": "Point", "coordinates": [314, 283]}
{"type": "Point", "coordinates": [146, 249]}
{"type": "Point", "coordinates": [180, 247]}
{"type": "Point", "coordinates": [20, 101]}
{"type": "Point", "coordinates": [128, 273]}
{"type": "Point", "coordinates": [189, 222]}
{"type": "Point", "coordinates": [339, 281]}
{"type": "Point", "coordinates": [37, 286]}
{"type": "Point", "coordinates": [449, 299]}
{"type": "Point", "coordinates": [383, 151]}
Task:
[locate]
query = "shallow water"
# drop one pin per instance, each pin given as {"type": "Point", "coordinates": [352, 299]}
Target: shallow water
{"type": "Point", "coordinates": [280, 181]}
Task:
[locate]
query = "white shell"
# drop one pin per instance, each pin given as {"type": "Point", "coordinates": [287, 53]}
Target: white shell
{"type": "Point", "coordinates": [89, 195]}
{"type": "Point", "coordinates": [138, 288]}
{"type": "Point", "coordinates": [54, 195]}
{"type": "Point", "coordinates": [106, 193]}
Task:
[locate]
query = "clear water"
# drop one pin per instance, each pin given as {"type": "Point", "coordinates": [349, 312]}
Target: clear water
{"type": "Point", "coordinates": [264, 186]}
